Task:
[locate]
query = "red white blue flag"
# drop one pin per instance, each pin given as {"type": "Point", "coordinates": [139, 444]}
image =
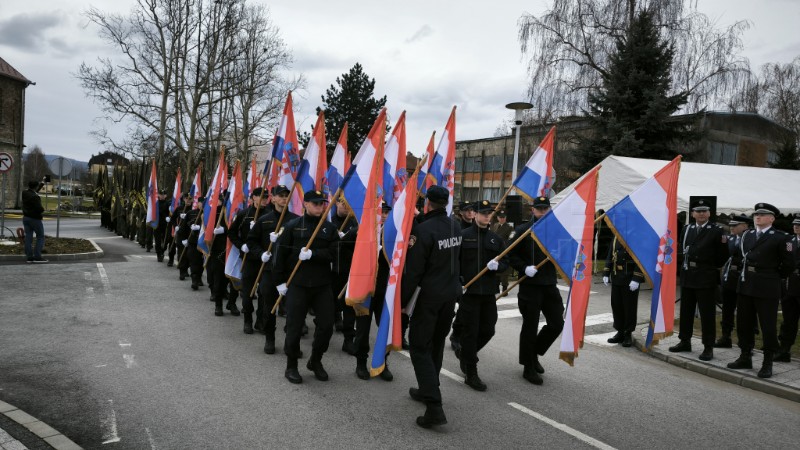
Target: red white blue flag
{"type": "Point", "coordinates": [210, 206]}
{"type": "Point", "coordinates": [176, 193]}
{"type": "Point", "coordinates": [340, 164]}
{"type": "Point", "coordinates": [394, 162]}
{"type": "Point", "coordinates": [314, 165]}
{"type": "Point", "coordinates": [251, 180]}
{"type": "Point", "coordinates": [360, 191]}
{"type": "Point", "coordinates": [566, 235]}
{"type": "Point", "coordinates": [282, 168]}
{"type": "Point", "coordinates": [537, 176]}
{"type": "Point", "coordinates": [152, 198]}
{"type": "Point", "coordinates": [646, 223]}
{"type": "Point", "coordinates": [233, 204]}
{"type": "Point", "coordinates": [443, 166]}
{"type": "Point", "coordinates": [196, 189]}
{"type": "Point", "coordinates": [424, 181]}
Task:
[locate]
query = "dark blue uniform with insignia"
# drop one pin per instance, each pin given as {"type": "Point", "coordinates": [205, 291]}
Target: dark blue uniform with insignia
{"type": "Point", "coordinates": [790, 304]}
{"type": "Point", "coordinates": [621, 269]}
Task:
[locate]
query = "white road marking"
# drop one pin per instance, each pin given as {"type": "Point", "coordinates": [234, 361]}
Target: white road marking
{"type": "Point", "coordinates": [150, 439]}
{"type": "Point", "coordinates": [108, 423]}
{"type": "Point", "coordinates": [598, 319]}
{"type": "Point", "coordinates": [507, 301]}
{"type": "Point", "coordinates": [104, 279]}
{"type": "Point", "coordinates": [87, 276]}
{"type": "Point", "coordinates": [508, 314]}
{"type": "Point", "coordinates": [89, 292]}
{"type": "Point", "coordinates": [101, 365]}
{"type": "Point", "coordinates": [563, 427]}
{"type": "Point", "coordinates": [104, 237]}
{"type": "Point", "coordinates": [600, 339]}
{"type": "Point", "coordinates": [129, 362]}
{"type": "Point", "coordinates": [444, 371]}
{"type": "Point", "coordinates": [124, 344]}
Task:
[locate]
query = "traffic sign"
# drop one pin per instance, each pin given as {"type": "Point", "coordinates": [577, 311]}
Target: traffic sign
{"type": "Point", "coordinates": [60, 166]}
{"type": "Point", "coordinates": [6, 162]}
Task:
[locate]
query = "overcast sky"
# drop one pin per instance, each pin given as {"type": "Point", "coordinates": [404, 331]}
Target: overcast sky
{"type": "Point", "coordinates": [425, 56]}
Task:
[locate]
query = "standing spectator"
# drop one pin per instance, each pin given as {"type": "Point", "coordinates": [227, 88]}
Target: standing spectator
{"type": "Point", "coordinates": [730, 279]}
{"type": "Point", "coordinates": [790, 303]}
{"type": "Point", "coordinates": [32, 221]}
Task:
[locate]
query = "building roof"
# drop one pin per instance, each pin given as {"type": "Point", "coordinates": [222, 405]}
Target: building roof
{"type": "Point", "coordinates": [7, 71]}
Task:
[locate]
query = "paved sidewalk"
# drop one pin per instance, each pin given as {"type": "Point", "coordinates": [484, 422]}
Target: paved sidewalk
{"type": "Point", "coordinates": [784, 383]}
{"type": "Point", "coordinates": [40, 434]}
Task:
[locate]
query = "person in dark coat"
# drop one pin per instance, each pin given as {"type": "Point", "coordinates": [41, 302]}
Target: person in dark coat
{"type": "Point", "coordinates": [790, 303]}
{"type": "Point", "coordinates": [215, 264]}
{"type": "Point", "coordinates": [432, 279]}
{"type": "Point", "coordinates": [479, 249]}
{"type": "Point", "coordinates": [32, 222]}
{"type": "Point", "coordinates": [625, 277]}
{"type": "Point", "coordinates": [161, 235]}
{"type": "Point", "coordinates": [347, 226]}
{"type": "Point", "coordinates": [538, 293]}
{"type": "Point", "coordinates": [704, 248]}
{"type": "Point", "coordinates": [503, 229]}
{"type": "Point", "coordinates": [766, 259]}
{"type": "Point", "coordinates": [192, 258]}
{"type": "Point", "coordinates": [730, 279]}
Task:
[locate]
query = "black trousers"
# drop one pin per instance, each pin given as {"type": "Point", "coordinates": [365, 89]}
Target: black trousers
{"type": "Point", "coordinates": [428, 327]}
{"type": "Point", "coordinates": [160, 236]}
{"type": "Point", "coordinates": [195, 258]}
{"type": "Point", "coordinates": [457, 325]}
{"type": "Point", "coordinates": [624, 304]}
{"type": "Point", "coordinates": [298, 299]}
{"type": "Point", "coordinates": [765, 310]}
{"type": "Point", "coordinates": [478, 317]}
{"type": "Point", "coordinates": [215, 275]}
{"type": "Point", "coordinates": [790, 304]}
{"type": "Point", "coordinates": [348, 313]}
{"type": "Point", "coordinates": [172, 246]}
{"type": "Point", "coordinates": [728, 320]}
{"type": "Point", "coordinates": [704, 299]}
{"type": "Point", "coordinates": [249, 274]}
{"type": "Point", "coordinates": [534, 299]}
{"type": "Point", "coordinates": [267, 296]}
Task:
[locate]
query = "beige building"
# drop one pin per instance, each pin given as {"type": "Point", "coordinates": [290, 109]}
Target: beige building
{"type": "Point", "coordinates": [12, 128]}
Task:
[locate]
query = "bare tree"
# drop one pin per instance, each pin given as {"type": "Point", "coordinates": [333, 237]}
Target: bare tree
{"type": "Point", "coordinates": [35, 165]}
{"type": "Point", "coordinates": [569, 45]}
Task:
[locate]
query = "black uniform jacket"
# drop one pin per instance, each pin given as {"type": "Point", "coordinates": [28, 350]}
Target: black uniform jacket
{"type": "Point", "coordinates": [432, 263]}
{"type": "Point", "coordinates": [765, 261]}
{"type": "Point", "coordinates": [480, 245]}
{"type": "Point", "coordinates": [346, 245]}
{"type": "Point", "coordinates": [163, 213]}
{"type": "Point", "coordinates": [733, 266]}
{"type": "Point", "coordinates": [793, 280]}
{"type": "Point", "coordinates": [620, 268]}
{"type": "Point", "coordinates": [527, 254]}
{"type": "Point", "coordinates": [704, 250]}
{"type": "Point", "coordinates": [240, 227]}
{"type": "Point", "coordinates": [220, 241]}
{"type": "Point", "coordinates": [258, 238]}
{"type": "Point", "coordinates": [185, 232]}
{"type": "Point", "coordinates": [315, 271]}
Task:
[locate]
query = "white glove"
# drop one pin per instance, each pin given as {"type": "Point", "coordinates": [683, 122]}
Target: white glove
{"type": "Point", "coordinates": [530, 271]}
{"type": "Point", "coordinates": [605, 281]}
{"type": "Point", "coordinates": [265, 257]}
{"type": "Point", "coordinates": [282, 289]}
{"type": "Point", "coordinates": [183, 215]}
{"type": "Point", "coordinates": [273, 237]}
{"type": "Point", "coordinates": [195, 227]}
{"type": "Point", "coordinates": [492, 265]}
{"type": "Point", "coordinates": [245, 248]}
{"type": "Point", "coordinates": [185, 242]}
{"type": "Point", "coordinates": [634, 285]}
{"type": "Point", "coordinates": [168, 219]}
{"type": "Point", "coordinates": [252, 223]}
{"type": "Point", "coordinates": [219, 230]}
{"type": "Point", "coordinates": [305, 254]}
{"type": "Point", "coordinates": [341, 235]}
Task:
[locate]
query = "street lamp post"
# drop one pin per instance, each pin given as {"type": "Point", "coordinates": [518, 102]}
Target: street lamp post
{"type": "Point", "coordinates": [518, 108]}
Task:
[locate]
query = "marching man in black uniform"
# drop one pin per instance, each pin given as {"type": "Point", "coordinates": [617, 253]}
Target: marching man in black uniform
{"type": "Point", "coordinates": [705, 250]}
{"type": "Point", "coordinates": [192, 258]}
{"type": "Point", "coordinates": [503, 229]}
{"type": "Point", "coordinates": [537, 293]}
{"type": "Point", "coordinates": [790, 304]}
{"type": "Point", "coordinates": [730, 280]}
{"type": "Point", "coordinates": [240, 229]}
{"type": "Point", "coordinates": [478, 307]}
{"type": "Point", "coordinates": [175, 221]}
{"type": "Point", "coordinates": [311, 285]}
{"type": "Point", "coordinates": [347, 226]}
{"type": "Point", "coordinates": [265, 232]}
{"type": "Point", "coordinates": [466, 211]}
{"type": "Point", "coordinates": [161, 233]}
{"type": "Point", "coordinates": [625, 277]}
{"type": "Point", "coordinates": [215, 265]}
{"type": "Point", "coordinates": [432, 268]}
{"type": "Point", "coordinates": [766, 258]}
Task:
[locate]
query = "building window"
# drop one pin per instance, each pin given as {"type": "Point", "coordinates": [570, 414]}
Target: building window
{"type": "Point", "coordinates": [722, 153]}
{"type": "Point", "coordinates": [491, 194]}
{"type": "Point", "coordinates": [471, 195]}
{"type": "Point", "coordinates": [772, 157]}
{"type": "Point", "coordinates": [459, 164]}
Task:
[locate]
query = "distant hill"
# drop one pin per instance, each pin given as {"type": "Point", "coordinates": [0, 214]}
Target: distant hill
{"type": "Point", "coordinates": [80, 167]}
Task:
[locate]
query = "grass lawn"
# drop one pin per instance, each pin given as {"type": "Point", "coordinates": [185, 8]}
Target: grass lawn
{"type": "Point", "coordinates": [52, 246]}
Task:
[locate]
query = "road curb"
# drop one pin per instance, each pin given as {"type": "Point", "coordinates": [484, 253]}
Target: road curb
{"type": "Point", "coordinates": [728, 376]}
{"type": "Point", "coordinates": [98, 253]}
{"type": "Point", "coordinates": [43, 431]}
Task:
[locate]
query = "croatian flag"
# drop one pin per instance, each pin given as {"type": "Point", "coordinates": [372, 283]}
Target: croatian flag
{"type": "Point", "coordinates": [537, 177]}
{"type": "Point", "coordinates": [340, 164]}
{"type": "Point", "coordinates": [152, 198]}
{"type": "Point", "coordinates": [566, 235]}
{"type": "Point", "coordinates": [196, 188]}
{"type": "Point", "coordinates": [311, 174]}
{"type": "Point", "coordinates": [424, 181]}
{"type": "Point", "coordinates": [645, 222]}
{"type": "Point", "coordinates": [394, 163]}
{"type": "Point", "coordinates": [443, 166]}
{"type": "Point", "coordinates": [396, 230]}
{"type": "Point", "coordinates": [250, 181]}
{"type": "Point", "coordinates": [233, 204]}
{"type": "Point", "coordinates": [176, 193]}
{"type": "Point", "coordinates": [210, 207]}
{"type": "Point", "coordinates": [282, 168]}
{"type": "Point", "coordinates": [360, 191]}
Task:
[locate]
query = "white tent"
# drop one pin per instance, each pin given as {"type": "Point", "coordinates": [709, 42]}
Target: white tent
{"type": "Point", "coordinates": [737, 188]}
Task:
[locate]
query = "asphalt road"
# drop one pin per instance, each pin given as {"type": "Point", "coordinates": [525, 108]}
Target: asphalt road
{"type": "Point", "coordinates": [118, 353]}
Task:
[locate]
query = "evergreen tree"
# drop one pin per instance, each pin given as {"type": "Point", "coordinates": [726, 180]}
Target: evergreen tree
{"type": "Point", "coordinates": [788, 156]}
{"type": "Point", "coordinates": [631, 113]}
{"type": "Point", "coordinates": [351, 100]}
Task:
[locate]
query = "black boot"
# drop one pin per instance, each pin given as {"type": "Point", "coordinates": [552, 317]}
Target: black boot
{"type": "Point", "coordinates": [536, 365]}
{"type": "Point", "coordinates": [530, 374]}
{"type": "Point", "coordinates": [231, 306]}
{"type": "Point", "coordinates": [627, 340]}
{"type": "Point", "coordinates": [315, 365]}
{"type": "Point", "coordinates": [708, 353]}
{"type": "Point", "coordinates": [744, 361]}
{"type": "Point", "coordinates": [218, 307]}
{"type": "Point", "coordinates": [269, 345]}
{"type": "Point", "coordinates": [783, 356]}
{"type": "Point", "coordinates": [724, 341]}
{"type": "Point", "coordinates": [434, 415]}
{"type": "Point", "coordinates": [617, 338]}
{"type": "Point", "coordinates": [415, 395]}
{"type": "Point", "coordinates": [171, 262]}
{"type": "Point", "coordinates": [685, 345]}
{"type": "Point", "coordinates": [349, 346]}
{"type": "Point", "coordinates": [183, 274]}
{"type": "Point", "coordinates": [387, 374]}
{"type": "Point", "coordinates": [195, 282]}
{"type": "Point", "coordinates": [291, 373]}
{"type": "Point", "coordinates": [474, 381]}
{"type": "Point", "coordinates": [248, 323]}
{"type": "Point", "coordinates": [766, 366]}
{"type": "Point", "coordinates": [160, 258]}
{"type": "Point", "coordinates": [361, 369]}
